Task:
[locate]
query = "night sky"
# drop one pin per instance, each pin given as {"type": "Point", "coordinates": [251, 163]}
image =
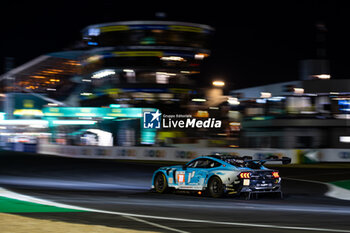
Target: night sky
{"type": "Point", "coordinates": [256, 42]}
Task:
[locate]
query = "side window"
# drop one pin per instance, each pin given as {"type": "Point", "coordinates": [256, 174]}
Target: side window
{"type": "Point", "coordinates": [203, 163]}
{"type": "Point", "coordinates": [213, 164]}
{"type": "Point", "coordinates": [193, 164]}
{"type": "Point", "coordinates": [206, 163]}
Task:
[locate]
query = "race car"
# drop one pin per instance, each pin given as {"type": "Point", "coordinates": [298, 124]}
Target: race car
{"type": "Point", "coordinates": [217, 175]}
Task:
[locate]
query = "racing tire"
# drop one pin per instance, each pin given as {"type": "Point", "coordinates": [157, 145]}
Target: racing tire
{"type": "Point", "coordinates": [281, 195]}
{"type": "Point", "coordinates": [215, 187]}
{"type": "Point", "coordinates": [160, 183]}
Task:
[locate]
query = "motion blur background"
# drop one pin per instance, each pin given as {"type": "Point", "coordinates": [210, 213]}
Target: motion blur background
{"type": "Point", "coordinates": [270, 36]}
{"type": "Point", "coordinates": [276, 74]}
{"type": "Point", "coordinates": [78, 77]}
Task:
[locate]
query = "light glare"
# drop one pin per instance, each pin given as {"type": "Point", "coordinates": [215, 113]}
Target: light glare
{"type": "Point", "coordinates": [103, 73]}
{"type": "Point", "coordinates": [218, 83]}
{"type": "Point", "coordinates": [265, 95]}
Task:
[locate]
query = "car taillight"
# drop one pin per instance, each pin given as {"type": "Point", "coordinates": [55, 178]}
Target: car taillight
{"type": "Point", "coordinates": [275, 174]}
{"type": "Point", "coordinates": [244, 175]}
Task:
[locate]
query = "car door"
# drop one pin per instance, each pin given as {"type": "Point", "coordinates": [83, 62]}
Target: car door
{"type": "Point", "coordinates": [189, 173]}
{"type": "Point", "coordinates": [182, 175]}
{"type": "Point", "coordinates": [195, 175]}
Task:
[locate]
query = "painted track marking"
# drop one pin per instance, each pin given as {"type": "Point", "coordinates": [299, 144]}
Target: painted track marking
{"type": "Point", "coordinates": [13, 195]}
{"type": "Point", "coordinates": [154, 224]}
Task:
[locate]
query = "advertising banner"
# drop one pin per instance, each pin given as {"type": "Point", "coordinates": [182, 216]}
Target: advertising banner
{"type": "Point", "coordinates": [158, 153]}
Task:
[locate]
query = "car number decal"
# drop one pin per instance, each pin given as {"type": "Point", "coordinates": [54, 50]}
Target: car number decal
{"type": "Point", "coordinates": [181, 178]}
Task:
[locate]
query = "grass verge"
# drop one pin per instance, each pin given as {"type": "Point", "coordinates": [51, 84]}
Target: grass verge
{"type": "Point", "coordinates": [342, 183]}
{"type": "Point", "coordinates": [9, 205]}
{"type": "Point", "coordinates": [10, 223]}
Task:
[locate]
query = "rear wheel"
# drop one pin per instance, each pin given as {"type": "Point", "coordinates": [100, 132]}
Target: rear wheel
{"type": "Point", "coordinates": [215, 187]}
{"type": "Point", "coordinates": [160, 183]}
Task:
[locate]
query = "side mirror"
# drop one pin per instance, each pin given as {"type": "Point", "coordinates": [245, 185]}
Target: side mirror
{"type": "Point", "coordinates": [184, 167]}
{"type": "Point", "coordinates": [286, 160]}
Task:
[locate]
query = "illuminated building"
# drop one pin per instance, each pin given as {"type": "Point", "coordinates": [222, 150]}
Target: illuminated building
{"type": "Point", "coordinates": [49, 74]}
{"type": "Point", "coordinates": [144, 64]}
{"type": "Point", "coordinates": [312, 112]}
{"type": "Point", "coordinates": [298, 114]}
{"type": "Point", "coordinates": [138, 63]}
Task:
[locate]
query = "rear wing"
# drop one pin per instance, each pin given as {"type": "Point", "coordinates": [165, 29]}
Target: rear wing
{"type": "Point", "coordinates": [284, 160]}
{"type": "Point", "coordinates": [249, 159]}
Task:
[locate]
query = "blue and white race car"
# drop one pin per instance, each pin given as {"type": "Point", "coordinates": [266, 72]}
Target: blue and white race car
{"type": "Point", "coordinates": [217, 175]}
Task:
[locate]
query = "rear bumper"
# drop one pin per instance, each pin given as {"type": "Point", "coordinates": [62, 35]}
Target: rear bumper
{"type": "Point", "coordinates": [273, 189]}
{"type": "Point", "coordinates": [258, 186]}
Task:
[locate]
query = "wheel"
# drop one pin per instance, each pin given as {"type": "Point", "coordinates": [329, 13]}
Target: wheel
{"type": "Point", "coordinates": [160, 183]}
{"type": "Point", "coordinates": [248, 195]}
{"type": "Point", "coordinates": [215, 187]}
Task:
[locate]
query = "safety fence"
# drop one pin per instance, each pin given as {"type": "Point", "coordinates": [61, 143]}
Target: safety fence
{"type": "Point", "coordinates": [180, 154]}
{"type": "Point", "coordinates": [157, 153]}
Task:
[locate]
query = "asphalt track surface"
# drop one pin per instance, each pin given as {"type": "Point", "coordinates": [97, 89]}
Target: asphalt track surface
{"type": "Point", "coordinates": [124, 187]}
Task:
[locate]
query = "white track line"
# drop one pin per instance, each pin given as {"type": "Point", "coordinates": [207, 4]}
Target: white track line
{"type": "Point", "coordinates": [13, 195]}
{"type": "Point", "coordinates": [154, 224]}
{"type": "Point", "coordinates": [17, 196]}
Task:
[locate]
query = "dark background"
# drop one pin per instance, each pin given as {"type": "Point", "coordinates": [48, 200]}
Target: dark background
{"type": "Point", "coordinates": [256, 42]}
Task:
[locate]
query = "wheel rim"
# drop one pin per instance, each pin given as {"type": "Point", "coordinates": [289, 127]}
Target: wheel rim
{"type": "Point", "coordinates": [216, 186]}
{"type": "Point", "coordinates": [160, 183]}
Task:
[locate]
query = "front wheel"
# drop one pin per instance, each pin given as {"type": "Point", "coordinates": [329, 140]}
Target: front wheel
{"type": "Point", "coordinates": [215, 187]}
{"type": "Point", "coordinates": [160, 183]}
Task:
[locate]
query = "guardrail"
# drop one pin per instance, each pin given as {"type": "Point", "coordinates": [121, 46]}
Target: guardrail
{"type": "Point", "coordinates": [297, 156]}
